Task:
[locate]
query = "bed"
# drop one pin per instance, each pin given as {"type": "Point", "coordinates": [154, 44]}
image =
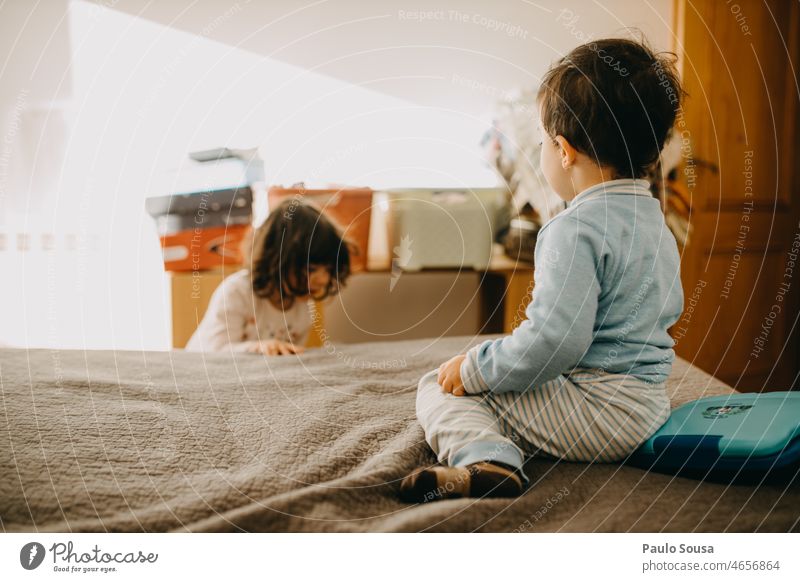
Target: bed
{"type": "Point", "coordinates": [159, 441]}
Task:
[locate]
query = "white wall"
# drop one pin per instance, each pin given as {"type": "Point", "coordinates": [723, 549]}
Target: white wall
{"type": "Point", "coordinates": [421, 51]}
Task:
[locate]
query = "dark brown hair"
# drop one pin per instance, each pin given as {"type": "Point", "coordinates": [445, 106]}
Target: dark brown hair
{"type": "Point", "coordinates": [294, 237]}
{"type": "Point", "coordinates": [614, 100]}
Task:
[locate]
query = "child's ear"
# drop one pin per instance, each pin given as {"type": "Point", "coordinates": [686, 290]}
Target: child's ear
{"type": "Point", "coordinates": [567, 152]}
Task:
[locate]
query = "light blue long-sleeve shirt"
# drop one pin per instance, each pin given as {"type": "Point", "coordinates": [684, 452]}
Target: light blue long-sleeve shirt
{"type": "Point", "coordinates": [607, 289]}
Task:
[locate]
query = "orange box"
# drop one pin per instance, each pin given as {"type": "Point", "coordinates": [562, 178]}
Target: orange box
{"type": "Point", "coordinates": [204, 248]}
{"type": "Point", "coordinates": [350, 208]}
{"type": "Point", "coordinates": [202, 230]}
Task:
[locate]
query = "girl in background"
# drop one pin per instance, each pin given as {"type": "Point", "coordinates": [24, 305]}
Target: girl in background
{"type": "Point", "coordinates": [297, 255]}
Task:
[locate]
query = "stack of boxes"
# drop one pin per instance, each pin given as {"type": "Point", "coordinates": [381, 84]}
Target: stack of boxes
{"type": "Point", "coordinates": [204, 224]}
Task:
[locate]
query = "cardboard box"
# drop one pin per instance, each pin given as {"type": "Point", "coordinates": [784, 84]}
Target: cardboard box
{"type": "Point", "coordinates": [202, 230]}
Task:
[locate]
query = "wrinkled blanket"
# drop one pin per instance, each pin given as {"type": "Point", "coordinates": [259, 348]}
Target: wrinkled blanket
{"type": "Point", "coordinates": [160, 441]}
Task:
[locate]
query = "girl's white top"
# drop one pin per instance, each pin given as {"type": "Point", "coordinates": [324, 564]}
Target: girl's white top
{"type": "Point", "coordinates": [237, 319]}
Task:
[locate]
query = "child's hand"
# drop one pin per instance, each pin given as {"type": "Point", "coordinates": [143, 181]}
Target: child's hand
{"type": "Point", "coordinates": [275, 347]}
{"type": "Point", "coordinates": [450, 376]}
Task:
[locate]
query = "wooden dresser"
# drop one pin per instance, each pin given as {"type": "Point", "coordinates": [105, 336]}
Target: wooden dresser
{"type": "Point", "coordinates": [739, 128]}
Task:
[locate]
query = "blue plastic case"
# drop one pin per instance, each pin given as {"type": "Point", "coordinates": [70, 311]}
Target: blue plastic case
{"type": "Point", "coordinates": [729, 438]}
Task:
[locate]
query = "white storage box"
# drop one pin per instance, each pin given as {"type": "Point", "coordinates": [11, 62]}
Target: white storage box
{"type": "Point", "coordinates": [441, 228]}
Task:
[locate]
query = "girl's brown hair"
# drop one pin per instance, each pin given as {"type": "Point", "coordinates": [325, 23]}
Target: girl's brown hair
{"type": "Point", "coordinates": [294, 237]}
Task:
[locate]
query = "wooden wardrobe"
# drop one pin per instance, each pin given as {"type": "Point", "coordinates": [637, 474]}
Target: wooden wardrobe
{"type": "Point", "coordinates": [741, 144]}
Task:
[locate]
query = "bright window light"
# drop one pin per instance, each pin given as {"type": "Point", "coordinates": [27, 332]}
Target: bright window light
{"type": "Point", "coordinates": [143, 96]}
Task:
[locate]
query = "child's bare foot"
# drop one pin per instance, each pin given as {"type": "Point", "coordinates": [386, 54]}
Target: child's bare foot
{"type": "Point", "coordinates": [477, 480]}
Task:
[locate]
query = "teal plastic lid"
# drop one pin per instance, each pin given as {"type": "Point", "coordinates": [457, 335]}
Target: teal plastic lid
{"type": "Point", "coordinates": [748, 425]}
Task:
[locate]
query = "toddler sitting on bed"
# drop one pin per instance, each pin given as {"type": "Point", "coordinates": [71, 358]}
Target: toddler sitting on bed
{"type": "Point", "coordinates": [296, 255]}
{"type": "Point", "coordinates": [583, 378]}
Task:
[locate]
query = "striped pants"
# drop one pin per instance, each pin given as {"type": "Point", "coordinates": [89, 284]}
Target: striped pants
{"type": "Point", "coordinates": [586, 416]}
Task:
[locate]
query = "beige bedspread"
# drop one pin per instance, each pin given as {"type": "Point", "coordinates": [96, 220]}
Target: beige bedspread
{"type": "Point", "coordinates": [127, 441]}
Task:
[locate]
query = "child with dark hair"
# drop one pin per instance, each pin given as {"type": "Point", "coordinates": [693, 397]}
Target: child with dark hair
{"type": "Point", "coordinates": [583, 378]}
{"type": "Point", "coordinates": [295, 256]}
